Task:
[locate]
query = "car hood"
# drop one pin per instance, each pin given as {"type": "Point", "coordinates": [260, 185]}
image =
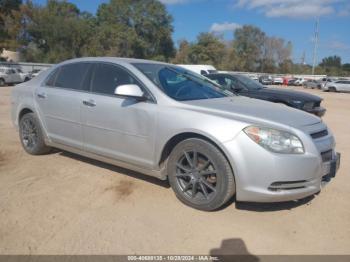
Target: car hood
{"type": "Point", "coordinates": [294, 95]}
{"type": "Point", "coordinates": [254, 110]}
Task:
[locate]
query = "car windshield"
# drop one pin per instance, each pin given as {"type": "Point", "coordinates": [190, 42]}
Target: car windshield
{"type": "Point", "coordinates": [249, 83]}
{"type": "Point", "coordinates": [180, 84]}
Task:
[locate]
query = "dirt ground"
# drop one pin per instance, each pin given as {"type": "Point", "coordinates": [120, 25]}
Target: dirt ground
{"type": "Point", "coordinates": [65, 204]}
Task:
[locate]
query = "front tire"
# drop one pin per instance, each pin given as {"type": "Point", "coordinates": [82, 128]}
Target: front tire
{"type": "Point", "coordinates": [31, 135]}
{"type": "Point", "coordinates": [200, 175]}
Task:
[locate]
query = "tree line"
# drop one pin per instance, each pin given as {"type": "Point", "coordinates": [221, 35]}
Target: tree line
{"type": "Point", "coordinates": [141, 29]}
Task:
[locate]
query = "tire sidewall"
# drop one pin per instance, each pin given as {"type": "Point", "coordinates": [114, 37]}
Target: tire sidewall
{"type": "Point", "coordinates": [40, 147]}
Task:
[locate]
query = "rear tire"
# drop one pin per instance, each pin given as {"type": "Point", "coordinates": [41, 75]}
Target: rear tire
{"type": "Point", "coordinates": [31, 135]}
{"type": "Point", "coordinates": [200, 175]}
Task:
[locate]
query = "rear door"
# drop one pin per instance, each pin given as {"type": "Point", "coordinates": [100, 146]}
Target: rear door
{"type": "Point", "coordinates": [59, 102]}
{"type": "Point", "coordinates": [343, 85]}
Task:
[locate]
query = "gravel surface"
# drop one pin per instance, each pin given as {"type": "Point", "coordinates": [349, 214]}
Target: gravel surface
{"type": "Point", "coordinates": [65, 204]}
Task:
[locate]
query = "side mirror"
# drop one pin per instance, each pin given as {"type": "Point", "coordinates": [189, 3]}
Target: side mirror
{"type": "Point", "coordinates": [131, 91]}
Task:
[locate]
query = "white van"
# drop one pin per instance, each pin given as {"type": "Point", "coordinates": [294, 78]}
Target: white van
{"type": "Point", "coordinates": [200, 69]}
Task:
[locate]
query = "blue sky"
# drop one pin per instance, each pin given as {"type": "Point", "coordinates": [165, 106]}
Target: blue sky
{"type": "Point", "coordinates": [292, 20]}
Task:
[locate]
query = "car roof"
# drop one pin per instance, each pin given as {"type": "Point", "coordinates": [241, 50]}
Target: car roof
{"type": "Point", "coordinates": [113, 60]}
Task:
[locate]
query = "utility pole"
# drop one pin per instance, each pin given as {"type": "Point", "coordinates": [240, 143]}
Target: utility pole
{"type": "Point", "coordinates": [316, 39]}
{"type": "Point", "coordinates": [303, 58]}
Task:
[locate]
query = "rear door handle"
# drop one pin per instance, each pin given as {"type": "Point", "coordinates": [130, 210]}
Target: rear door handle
{"type": "Point", "coordinates": [41, 95]}
{"type": "Point", "coordinates": [90, 103]}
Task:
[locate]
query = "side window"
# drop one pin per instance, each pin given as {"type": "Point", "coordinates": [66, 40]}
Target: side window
{"type": "Point", "coordinates": [229, 83]}
{"type": "Point", "coordinates": [203, 72]}
{"type": "Point", "coordinates": [52, 78]}
{"type": "Point", "coordinates": [107, 77]}
{"type": "Point", "coordinates": [71, 76]}
{"type": "Point", "coordinates": [220, 80]}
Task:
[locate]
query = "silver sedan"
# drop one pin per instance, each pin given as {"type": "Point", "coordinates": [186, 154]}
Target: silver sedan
{"type": "Point", "coordinates": [164, 121]}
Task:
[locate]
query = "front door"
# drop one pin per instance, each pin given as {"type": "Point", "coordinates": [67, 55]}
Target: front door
{"type": "Point", "coordinates": [115, 127]}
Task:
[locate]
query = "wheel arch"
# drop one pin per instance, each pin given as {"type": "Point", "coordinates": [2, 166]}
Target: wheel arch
{"type": "Point", "coordinates": [24, 111]}
{"type": "Point", "coordinates": [176, 139]}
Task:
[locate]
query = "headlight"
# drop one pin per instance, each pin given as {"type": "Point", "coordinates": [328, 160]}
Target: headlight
{"type": "Point", "coordinates": [297, 103]}
{"type": "Point", "coordinates": [308, 106]}
{"type": "Point", "coordinates": [276, 141]}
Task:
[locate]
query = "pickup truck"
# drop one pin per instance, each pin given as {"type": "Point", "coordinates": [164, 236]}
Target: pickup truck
{"type": "Point", "coordinates": [12, 76]}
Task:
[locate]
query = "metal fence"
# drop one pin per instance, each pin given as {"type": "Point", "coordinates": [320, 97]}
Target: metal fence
{"type": "Point", "coordinates": [26, 67]}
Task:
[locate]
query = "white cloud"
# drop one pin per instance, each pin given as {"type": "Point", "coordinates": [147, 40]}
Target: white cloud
{"type": "Point", "coordinates": [338, 45]}
{"type": "Point", "coordinates": [221, 28]}
{"type": "Point", "coordinates": [292, 8]}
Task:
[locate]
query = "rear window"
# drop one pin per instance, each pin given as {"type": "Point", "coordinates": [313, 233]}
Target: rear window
{"type": "Point", "coordinates": [69, 76]}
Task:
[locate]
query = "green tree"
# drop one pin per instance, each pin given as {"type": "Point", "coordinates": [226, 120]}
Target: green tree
{"type": "Point", "coordinates": [207, 50]}
{"type": "Point", "coordinates": [182, 54]}
{"type": "Point", "coordinates": [248, 46]}
{"type": "Point", "coordinates": [146, 24]}
{"type": "Point", "coordinates": [331, 61]}
{"type": "Point", "coordinates": [56, 32]}
{"type": "Point", "coordinates": [8, 24]}
{"type": "Point", "coordinates": [346, 67]}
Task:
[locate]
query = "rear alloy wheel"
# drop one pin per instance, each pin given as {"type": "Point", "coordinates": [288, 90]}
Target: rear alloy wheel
{"type": "Point", "coordinates": [200, 175]}
{"type": "Point", "coordinates": [2, 82]}
{"type": "Point", "coordinates": [31, 135]}
{"type": "Point", "coordinates": [332, 89]}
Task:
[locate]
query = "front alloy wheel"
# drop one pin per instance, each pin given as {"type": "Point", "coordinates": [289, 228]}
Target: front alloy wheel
{"type": "Point", "coordinates": [200, 175]}
{"type": "Point", "coordinates": [196, 176]}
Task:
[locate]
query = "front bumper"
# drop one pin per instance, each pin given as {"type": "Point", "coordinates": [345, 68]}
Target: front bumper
{"type": "Point", "coordinates": [263, 176]}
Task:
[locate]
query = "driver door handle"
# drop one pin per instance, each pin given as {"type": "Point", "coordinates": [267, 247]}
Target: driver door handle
{"type": "Point", "coordinates": [89, 103]}
{"type": "Point", "coordinates": [41, 95]}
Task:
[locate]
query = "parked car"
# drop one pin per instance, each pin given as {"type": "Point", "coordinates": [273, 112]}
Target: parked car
{"type": "Point", "coordinates": [300, 81]}
{"type": "Point", "coordinates": [167, 122]}
{"type": "Point", "coordinates": [291, 82]}
{"type": "Point", "coordinates": [265, 80]}
{"type": "Point", "coordinates": [9, 76]}
{"type": "Point", "coordinates": [246, 87]}
{"type": "Point", "coordinates": [277, 81]}
{"type": "Point", "coordinates": [36, 72]}
{"type": "Point", "coordinates": [313, 84]}
{"type": "Point", "coordinates": [337, 86]}
{"type": "Point", "coordinates": [326, 80]}
{"type": "Point", "coordinates": [251, 76]}
{"type": "Point", "coordinates": [200, 69]}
